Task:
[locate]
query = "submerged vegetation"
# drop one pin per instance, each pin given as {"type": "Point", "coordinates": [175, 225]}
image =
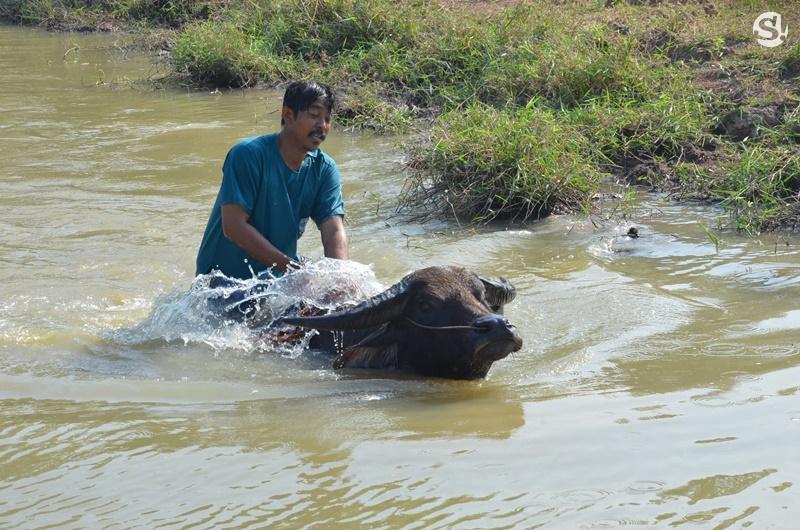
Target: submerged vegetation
{"type": "Point", "coordinates": [522, 109]}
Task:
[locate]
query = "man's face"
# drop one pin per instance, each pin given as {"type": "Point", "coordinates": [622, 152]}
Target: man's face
{"type": "Point", "coordinates": [308, 127]}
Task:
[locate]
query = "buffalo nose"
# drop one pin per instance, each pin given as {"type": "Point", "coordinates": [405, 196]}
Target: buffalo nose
{"type": "Point", "coordinates": [489, 323]}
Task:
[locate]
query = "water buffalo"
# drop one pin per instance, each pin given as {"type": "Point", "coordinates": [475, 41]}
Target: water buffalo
{"type": "Point", "coordinates": [440, 321]}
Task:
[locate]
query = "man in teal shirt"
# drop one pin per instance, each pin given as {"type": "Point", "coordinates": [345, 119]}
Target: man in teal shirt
{"type": "Point", "coordinates": [271, 185]}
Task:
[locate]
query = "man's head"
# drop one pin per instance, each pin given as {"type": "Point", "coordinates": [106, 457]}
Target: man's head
{"type": "Point", "coordinates": [306, 113]}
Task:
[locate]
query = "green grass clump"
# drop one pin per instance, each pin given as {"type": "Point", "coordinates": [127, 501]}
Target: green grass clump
{"type": "Point", "coordinates": [49, 13]}
{"type": "Point", "coordinates": [570, 70]}
{"type": "Point", "coordinates": [103, 14]}
{"type": "Point", "coordinates": [483, 164]}
{"type": "Point", "coordinates": [665, 126]}
{"type": "Point", "coordinates": [790, 65]}
{"type": "Point", "coordinates": [363, 107]}
{"type": "Point", "coordinates": [171, 13]}
{"type": "Point", "coordinates": [213, 54]}
{"type": "Point", "coordinates": [315, 30]}
{"type": "Point", "coordinates": [761, 189]}
{"type": "Point", "coordinates": [789, 131]}
{"type": "Point", "coordinates": [694, 181]}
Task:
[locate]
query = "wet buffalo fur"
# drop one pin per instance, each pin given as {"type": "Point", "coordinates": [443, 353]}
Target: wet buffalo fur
{"type": "Point", "coordinates": [439, 321]}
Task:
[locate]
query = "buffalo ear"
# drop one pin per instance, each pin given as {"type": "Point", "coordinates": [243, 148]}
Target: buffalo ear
{"type": "Point", "coordinates": [377, 350]}
{"type": "Point", "coordinates": [499, 292]}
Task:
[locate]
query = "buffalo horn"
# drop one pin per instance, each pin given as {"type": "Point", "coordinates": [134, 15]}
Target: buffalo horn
{"type": "Point", "coordinates": [379, 309]}
{"type": "Point", "coordinates": [499, 291]}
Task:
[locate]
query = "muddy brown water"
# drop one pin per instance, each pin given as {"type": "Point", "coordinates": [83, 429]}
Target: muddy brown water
{"type": "Point", "coordinates": [658, 386]}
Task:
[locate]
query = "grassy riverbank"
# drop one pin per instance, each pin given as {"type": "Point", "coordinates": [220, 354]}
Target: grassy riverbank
{"type": "Point", "coordinates": [522, 109]}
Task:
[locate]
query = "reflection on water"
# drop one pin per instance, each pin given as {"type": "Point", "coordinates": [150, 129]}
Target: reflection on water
{"type": "Point", "coordinates": [657, 386]}
{"type": "Point", "coordinates": [716, 486]}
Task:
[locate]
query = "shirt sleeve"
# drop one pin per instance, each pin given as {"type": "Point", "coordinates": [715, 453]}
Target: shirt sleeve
{"type": "Point", "coordinates": [240, 178]}
{"type": "Point", "coordinates": [329, 199]}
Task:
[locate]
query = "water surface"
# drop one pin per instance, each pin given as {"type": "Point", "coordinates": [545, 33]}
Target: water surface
{"type": "Point", "coordinates": [658, 385]}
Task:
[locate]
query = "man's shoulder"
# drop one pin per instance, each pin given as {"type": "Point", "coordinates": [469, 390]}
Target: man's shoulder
{"type": "Point", "coordinates": [255, 145]}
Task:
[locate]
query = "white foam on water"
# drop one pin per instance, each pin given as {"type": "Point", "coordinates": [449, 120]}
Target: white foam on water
{"type": "Point", "coordinates": [187, 316]}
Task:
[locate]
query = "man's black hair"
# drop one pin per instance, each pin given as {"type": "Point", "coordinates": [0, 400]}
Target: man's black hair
{"type": "Point", "coordinates": [300, 95]}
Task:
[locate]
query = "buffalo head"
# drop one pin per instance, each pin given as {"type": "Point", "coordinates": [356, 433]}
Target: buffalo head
{"type": "Point", "coordinates": [439, 321]}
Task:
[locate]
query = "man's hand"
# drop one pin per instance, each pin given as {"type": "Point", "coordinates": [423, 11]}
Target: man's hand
{"type": "Point", "coordinates": [334, 238]}
{"type": "Point", "coordinates": [248, 238]}
{"type": "Point", "coordinates": [295, 265]}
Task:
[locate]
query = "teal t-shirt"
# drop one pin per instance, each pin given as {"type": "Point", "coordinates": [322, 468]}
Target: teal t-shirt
{"type": "Point", "coordinates": [278, 200]}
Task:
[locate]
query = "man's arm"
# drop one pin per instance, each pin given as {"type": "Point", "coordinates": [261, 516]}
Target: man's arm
{"type": "Point", "coordinates": [248, 238]}
{"type": "Point", "coordinates": [334, 238]}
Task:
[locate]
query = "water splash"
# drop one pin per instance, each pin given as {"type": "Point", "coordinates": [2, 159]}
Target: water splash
{"type": "Point", "coordinates": [190, 316]}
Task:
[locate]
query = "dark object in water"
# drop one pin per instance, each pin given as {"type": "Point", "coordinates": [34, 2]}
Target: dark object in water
{"type": "Point", "coordinates": [633, 232]}
{"type": "Point", "coordinates": [440, 321]}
